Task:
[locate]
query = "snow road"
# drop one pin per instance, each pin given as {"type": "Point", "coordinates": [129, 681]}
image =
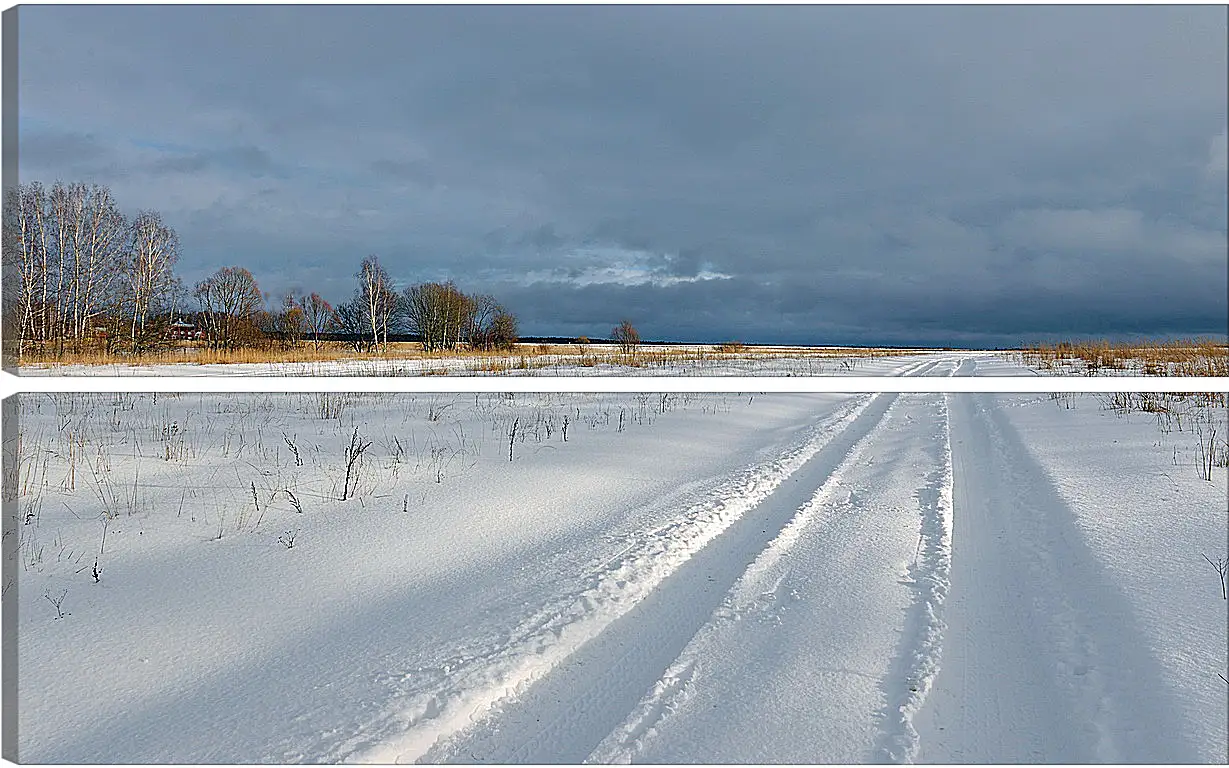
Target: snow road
{"type": "Point", "coordinates": [767, 578]}
{"type": "Point", "coordinates": [594, 689]}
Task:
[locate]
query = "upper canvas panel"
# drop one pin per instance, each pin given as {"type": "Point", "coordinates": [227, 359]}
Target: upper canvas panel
{"type": "Point", "coordinates": [330, 189]}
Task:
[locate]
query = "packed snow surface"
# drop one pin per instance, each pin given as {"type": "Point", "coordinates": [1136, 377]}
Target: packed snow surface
{"type": "Point", "coordinates": [617, 577]}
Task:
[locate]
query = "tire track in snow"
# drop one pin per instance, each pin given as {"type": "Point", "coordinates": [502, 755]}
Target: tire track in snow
{"type": "Point", "coordinates": [918, 369]}
{"type": "Point", "coordinates": [586, 693]}
{"type": "Point", "coordinates": [755, 583]}
{"type": "Point", "coordinates": [921, 648]}
{"type": "Point", "coordinates": [1042, 663]}
{"type": "Point", "coordinates": [452, 701]}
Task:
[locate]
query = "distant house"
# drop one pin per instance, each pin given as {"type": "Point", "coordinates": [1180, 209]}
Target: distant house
{"type": "Point", "coordinates": [182, 330]}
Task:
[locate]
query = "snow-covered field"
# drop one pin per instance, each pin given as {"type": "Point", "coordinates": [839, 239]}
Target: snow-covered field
{"type": "Point", "coordinates": [783, 361]}
{"type": "Point", "coordinates": [614, 577]}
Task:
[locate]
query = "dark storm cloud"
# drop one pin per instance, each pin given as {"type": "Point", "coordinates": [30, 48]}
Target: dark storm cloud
{"type": "Point", "coordinates": [971, 173]}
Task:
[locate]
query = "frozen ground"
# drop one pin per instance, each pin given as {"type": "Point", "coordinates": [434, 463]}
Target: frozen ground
{"type": "Point", "coordinates": [765, 362]}
{"type": "Point", "coordinates": [685, 578]}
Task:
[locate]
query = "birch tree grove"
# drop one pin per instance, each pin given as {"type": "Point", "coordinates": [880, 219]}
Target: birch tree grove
{"type": "Point", "coordinates": [443, 317]}
{"type": "Point", "coordinates": [438, 313]}
{"type": "Point", "coordinates": [65, 252]}
{"type": "Point", "coordinates": [98, 230]}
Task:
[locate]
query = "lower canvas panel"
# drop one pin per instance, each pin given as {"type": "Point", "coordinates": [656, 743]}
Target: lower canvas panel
{"type": "Point", "coordinates": [536, 578]}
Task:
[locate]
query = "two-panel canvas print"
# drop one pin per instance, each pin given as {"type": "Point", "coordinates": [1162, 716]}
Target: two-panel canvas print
{"type": "Point", "coordinates": [607, 384]}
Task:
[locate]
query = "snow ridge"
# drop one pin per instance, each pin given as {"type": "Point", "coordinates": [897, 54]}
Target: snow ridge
{"type": "Point", "coordinates": [466, 693]}
{"type": "Point", "coordinates": [922, 637]}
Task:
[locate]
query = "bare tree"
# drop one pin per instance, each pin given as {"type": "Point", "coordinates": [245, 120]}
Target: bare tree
{"type": "Point", "coordinates": [419, 307]}
{"type": "Point", "coordinates": [47, 255]}
{"type": "Point", "coordinates": [484, 307]}
{"type": "Point", "coordinates": [318, 317]}
{"type": "Point", "coordinates": [58, 259]}
{"type": "Point", "coordinates": [350, 319]}
{"type": "Point", "coordinates": [377, 297]}
{"type": "Point", "coordinates": [503, 333]}
{"type": "Point", "coordinates": [230, 300]}
{"type": "Point", "coordinates": [626, 336]}
{"type": "Point", "coordinates": [153, 251]}
{"type": "Point", "coordinates": [23, 207]}
{"type": "Point", "coordinates": [290, 322]}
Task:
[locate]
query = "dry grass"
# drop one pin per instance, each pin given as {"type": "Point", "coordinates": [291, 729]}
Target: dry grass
{"type": "Point", "coordinates": [199, 355]}
{"type": "Point", "coordinates": [1183, 357]}
{"type": "Point", "coordinates": [193, 354]}
{"type": "Point", "coordinates": [1200, 415]}
{"type": "Point", "coordinates": [522, 357]}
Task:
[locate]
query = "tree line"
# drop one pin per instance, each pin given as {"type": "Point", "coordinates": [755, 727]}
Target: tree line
{"type": "Point", "coordinates": [79, 274]}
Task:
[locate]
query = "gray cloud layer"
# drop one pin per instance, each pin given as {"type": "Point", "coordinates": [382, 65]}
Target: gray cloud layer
{"type": "Point", "coordinates": [975, 175]}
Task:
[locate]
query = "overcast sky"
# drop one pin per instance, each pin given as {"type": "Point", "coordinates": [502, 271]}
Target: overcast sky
{"type": "Point", "coordinates": [964, 175]}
